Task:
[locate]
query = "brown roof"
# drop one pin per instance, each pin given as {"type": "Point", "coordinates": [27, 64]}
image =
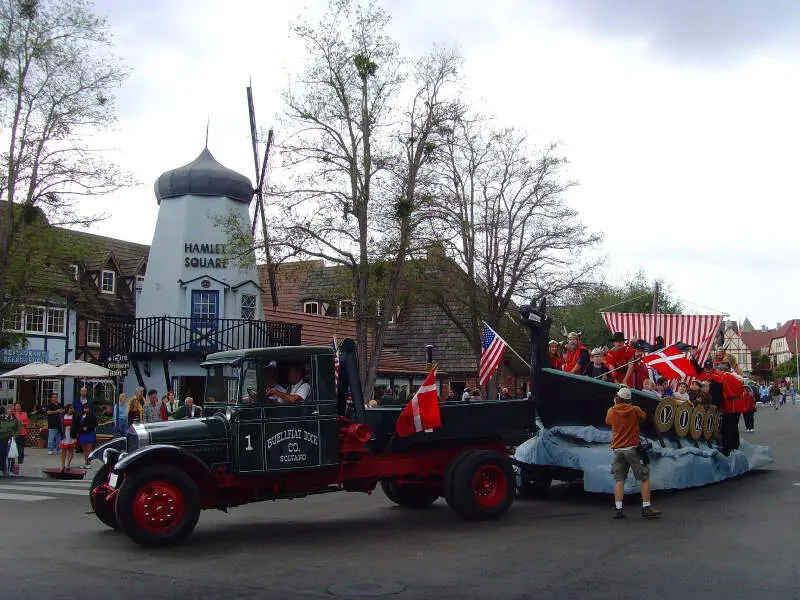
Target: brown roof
{"type": "Point", "coordinates": [320, 330]}
{"type": "Point", "coordinates": [290, 281]}
{"type": "Point", "coordinates": [755, 340]}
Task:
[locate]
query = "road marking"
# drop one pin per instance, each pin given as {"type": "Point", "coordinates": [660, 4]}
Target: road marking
{"type": "Point", "coordinates": [25, 497]}
{"type": "Point", "coordinates": [51, 489]}
{"type": "Point", "coordinates": [58, 482]}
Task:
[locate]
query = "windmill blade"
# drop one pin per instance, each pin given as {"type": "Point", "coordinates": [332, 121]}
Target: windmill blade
{"type": "Point", "coordinates": [254, 140]}
{"type": "Point", "coordinates": [259, 194]}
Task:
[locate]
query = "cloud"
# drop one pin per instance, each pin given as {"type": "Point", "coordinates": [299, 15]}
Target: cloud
{"type": "Point", "coordinates": [709, 32]}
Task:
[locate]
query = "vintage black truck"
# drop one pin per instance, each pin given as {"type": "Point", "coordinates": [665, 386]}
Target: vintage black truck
{"type": "Point", "coordinates": [248, 448]}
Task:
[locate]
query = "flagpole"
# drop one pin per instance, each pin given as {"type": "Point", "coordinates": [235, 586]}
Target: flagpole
{"type": "Point", "coordinates": [796, 357]}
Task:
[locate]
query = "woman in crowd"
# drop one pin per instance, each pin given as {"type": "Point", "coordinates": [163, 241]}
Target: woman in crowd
{"type": "Point", "coordinates": [86, 425]}
{"type": "Point", "coordinates": [68, 441]}
{"type": "Point", "coordinates": [171, 404]}
{"type": "Point", "coordinates": [22, 417]}
{"type": "Point", "coordinates": [134, 410]}
{"type": "Point", "coordinates": [9, 427]}
{"type": "Point", "coordinates": [121, 416]}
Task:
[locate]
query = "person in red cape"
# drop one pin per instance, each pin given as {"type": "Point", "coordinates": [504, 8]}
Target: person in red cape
{"type": "Point", "coordinates": [620, 360]}
{"type": "Point", "coordinates": [577, 355]}
{"type": "Point", "coordinates": [556, 360]}
{"type": "Point", "coordinates": [640, 370]}
{"type": "Point", "coordinates": [749, 413]}
{"type": "Point", "coordinates": [727, 393]}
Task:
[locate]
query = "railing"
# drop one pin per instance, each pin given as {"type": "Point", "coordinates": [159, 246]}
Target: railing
{"type": "Point", "coordinates": [173, 335]}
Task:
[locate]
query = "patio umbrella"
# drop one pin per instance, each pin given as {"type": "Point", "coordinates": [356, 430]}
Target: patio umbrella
{"type": "Point", "coordinates": [82, 370]}
{"type": "Point", "coordinates": [32, 371]}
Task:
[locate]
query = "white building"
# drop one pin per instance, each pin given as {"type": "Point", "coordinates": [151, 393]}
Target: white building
{"type": "Point", "coordinates": [194, 299]}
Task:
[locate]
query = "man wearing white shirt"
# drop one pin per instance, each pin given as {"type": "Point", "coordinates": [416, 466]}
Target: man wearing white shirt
{"type": "Point", "coordinates": [298, 391]}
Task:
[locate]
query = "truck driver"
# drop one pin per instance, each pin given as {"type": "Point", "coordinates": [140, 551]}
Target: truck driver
{"type": "Point", "coordinates": [298, 391]}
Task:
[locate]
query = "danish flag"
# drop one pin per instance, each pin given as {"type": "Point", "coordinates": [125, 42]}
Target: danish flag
{"type": "Point", "coordinates": [422, 411]}
{"type": "Point", "coordinates": [670, 362]}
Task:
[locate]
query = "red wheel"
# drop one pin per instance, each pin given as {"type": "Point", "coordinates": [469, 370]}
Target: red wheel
{"type": "Point", "coordinates": [489, 486]}
{"type": "Point", "coordinates": [158, 507]}
{"type": "Point", "coordinates": [482, 485]}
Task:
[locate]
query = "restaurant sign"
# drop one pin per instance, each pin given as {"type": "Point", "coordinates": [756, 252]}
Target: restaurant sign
{"type": "Point", "coordinates": [22, 356]}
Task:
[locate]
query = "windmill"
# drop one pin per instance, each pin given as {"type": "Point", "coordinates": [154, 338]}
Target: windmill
{"type": "Point", "coordinates": [261, 174]}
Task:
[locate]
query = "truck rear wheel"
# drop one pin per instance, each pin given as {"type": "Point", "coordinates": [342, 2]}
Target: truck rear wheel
{"type": "Point", "coordinates": [409, 494]}
{"type": "Point", "coordinates": [103, 510]}
{"type": "Point", "coordinates": [158, 505]}
{"type": "Point", "coordinates": [483, 485]}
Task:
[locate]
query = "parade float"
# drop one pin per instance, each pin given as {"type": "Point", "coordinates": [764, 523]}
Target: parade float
{"type": "Point", "coordinates": [572, 442]}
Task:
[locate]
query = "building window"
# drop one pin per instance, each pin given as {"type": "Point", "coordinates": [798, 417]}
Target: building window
{"type": "Point", "coordinates": [56, 321]}
{"type": "Point", "coordinates": [346, 309]}
{"type": "Point", "coordinates": [92, 333]}
{"type": "Point", "coordinates": [48, 388]}
{"type": "Point", "coordinates": [34, 319]}
{"type": "Point", "coordinates": [14, 321]}
{"type": "Point", "coordinates": [311, 308]}
{"type": "Point", "coordinates": [74, 271]}
{"type": "Point", "coordinates": [139, 282]}
{"type": "Point", "coordinates": [248, 306]}
{"type": "Point", "coordinates": [108, 282]}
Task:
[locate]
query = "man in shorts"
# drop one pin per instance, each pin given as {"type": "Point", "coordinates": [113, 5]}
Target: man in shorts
{"type": "Point", "coordinates": [624, 419]}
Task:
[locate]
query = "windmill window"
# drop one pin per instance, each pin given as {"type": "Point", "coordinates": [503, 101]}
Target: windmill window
{"type": "Point", "coordinates": [248, 306]}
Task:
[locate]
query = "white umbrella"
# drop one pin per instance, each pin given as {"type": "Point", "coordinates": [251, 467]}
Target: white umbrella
{"type": "Point", "coordinates": [33, 370]}
{"type": "Point", "coordinates": [82, 370]}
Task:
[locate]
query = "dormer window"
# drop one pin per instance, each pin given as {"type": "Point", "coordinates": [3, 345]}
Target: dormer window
{"type": "Point", "coordinates": [74, 271]}
{"type": "Point", "coordinates": [346, 309]}
{"type": "Point", "coordinates": [108, 282]}
{"type": "Point", "coordinates": [311, 307]}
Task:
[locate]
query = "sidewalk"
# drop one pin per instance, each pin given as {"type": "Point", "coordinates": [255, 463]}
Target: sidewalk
{"type": "Point", "coordinates": [37, 459]}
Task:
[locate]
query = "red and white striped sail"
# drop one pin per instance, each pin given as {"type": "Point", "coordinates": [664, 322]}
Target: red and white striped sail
{"type": "Point", "coordinates": [695, 330]}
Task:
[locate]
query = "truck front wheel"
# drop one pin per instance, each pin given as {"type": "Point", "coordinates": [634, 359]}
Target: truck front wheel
{"type": "Point", "coordinates": [409, 495]}
{"type": "Point", "coordinates": [483, 486]}
{"type": "Point", "coordinates": [158, 505]}
{"type": "Point", "coordinates": [103, 510]}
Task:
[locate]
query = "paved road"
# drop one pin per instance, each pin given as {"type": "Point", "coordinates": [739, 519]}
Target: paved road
{"type": "Point", "coordinates": [737, 539]}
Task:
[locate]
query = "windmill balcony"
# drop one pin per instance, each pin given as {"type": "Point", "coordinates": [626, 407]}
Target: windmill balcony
{"type": "Point", "coordinates": [149, 336]}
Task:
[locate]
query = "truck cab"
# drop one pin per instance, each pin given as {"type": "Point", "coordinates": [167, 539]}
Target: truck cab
{"type": "Point", "coordinates": [268, 433]}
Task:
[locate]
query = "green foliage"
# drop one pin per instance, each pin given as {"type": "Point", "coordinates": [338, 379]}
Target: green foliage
{"type": "Point", "coordinates": [786, 369]}
{"type": "Point", "coordinates": [582, 312]}
{"type": "Point", "coordinates": [761, 361]}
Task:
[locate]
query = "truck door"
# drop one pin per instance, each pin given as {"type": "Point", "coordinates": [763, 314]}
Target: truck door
{"type": "Point", "coordinates": [304, 435]}
{"type": "Point", "coordinates": [248, 422]}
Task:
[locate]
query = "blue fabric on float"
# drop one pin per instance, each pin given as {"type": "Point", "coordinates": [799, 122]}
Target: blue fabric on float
{"type": "Point", "coordinates": [586, 448]}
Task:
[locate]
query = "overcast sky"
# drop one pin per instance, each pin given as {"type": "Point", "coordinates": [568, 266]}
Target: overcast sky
{"type": "Point", "coordinates": [679, 117]}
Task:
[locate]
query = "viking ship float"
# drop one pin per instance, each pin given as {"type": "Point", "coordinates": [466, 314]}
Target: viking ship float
{"type": "Point", "coordinates": [573, 441]}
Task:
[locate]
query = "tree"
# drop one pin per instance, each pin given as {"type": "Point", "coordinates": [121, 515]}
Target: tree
{"type": "Point", "coordinates": [365, 127]}
{"type": "Point", "coordinates": [786, 370]}
{"type": "Point", "coordinates": [581, 311]}
{"type": "Point", "coordinates": [56, 88]}
{"type": "Point", "coordinates": [501, 215]}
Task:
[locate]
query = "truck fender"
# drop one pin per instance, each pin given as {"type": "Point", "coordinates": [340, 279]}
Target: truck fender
{"type": "Point", "coordinates": [119, 444]}
{"type": "Point", "coordinates": [196, 468]}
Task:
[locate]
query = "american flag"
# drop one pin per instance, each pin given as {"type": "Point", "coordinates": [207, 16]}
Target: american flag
{"type": "Point", "coordinates": [694, 330]}
{"type": "Point", "coordinates": [335, 365]}
{"type": "Point", "coordinates": [493, 348]}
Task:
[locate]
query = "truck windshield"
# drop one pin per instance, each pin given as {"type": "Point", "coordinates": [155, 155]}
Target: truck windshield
{"type": "Point", "coordinates": [222, 384]}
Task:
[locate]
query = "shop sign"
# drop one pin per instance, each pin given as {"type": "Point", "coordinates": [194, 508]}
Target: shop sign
{"type": "Point", "coordinates": [118, 365]}
{"type": "Point", "coordinates": [22, 356]}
